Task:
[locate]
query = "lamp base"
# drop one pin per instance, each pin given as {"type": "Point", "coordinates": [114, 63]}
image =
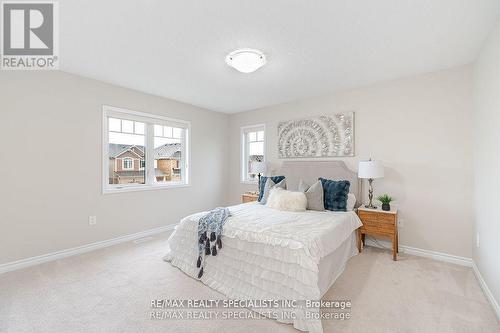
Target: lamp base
{"type": "Point", "coordinates": [370, 195]}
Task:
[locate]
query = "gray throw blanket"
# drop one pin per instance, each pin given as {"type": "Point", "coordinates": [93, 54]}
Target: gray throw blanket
{"type": "Point", "coordinates": [209, 234]}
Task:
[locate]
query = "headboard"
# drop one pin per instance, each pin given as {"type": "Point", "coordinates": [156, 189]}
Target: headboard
{"type": "Point", "coordinates": [310, 171]}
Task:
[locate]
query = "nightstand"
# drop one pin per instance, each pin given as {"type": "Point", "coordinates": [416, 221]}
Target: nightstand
{"type": "Point", "coordinates": [379, 223]}
{"type": "Point", "coordinates": [249, 197]}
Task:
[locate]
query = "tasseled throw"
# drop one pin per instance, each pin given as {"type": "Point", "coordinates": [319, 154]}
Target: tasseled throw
{"type": "Point", "coordinates": [210, 235]}
{"type": "Point", "coordinates": [207, 247]}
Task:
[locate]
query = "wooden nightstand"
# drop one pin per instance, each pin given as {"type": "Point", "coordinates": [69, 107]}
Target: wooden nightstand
{"type": "Point", "coordinates": [249, 197]}
{"type": "Point", "coordinates": [377, 222]}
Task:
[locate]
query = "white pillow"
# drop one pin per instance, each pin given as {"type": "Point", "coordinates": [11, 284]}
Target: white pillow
{"type": "Point", "coordinates": [287, 200]}
{"type": "Point", "coordinates": [351, 202]}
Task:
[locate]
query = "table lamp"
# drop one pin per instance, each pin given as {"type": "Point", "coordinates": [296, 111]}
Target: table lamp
{"type": "Point", "coordinates": [259, 168]}
{"type": "Point", "coordinates": [370, 170]}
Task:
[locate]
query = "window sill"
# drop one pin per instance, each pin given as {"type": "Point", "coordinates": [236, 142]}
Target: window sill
{"type": "Point", "coordinates": [142, 188]}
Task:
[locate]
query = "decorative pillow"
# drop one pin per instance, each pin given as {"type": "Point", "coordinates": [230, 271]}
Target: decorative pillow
{"type": "Point", "coordinates": [351, 202]}
{"type": "Point", "coordinates": [270, 185]}
{"type": "Point", "coordinates": [302, 186]}
{"type": "Point", "coordinates": [335, 194]}
{"type": "Point", "coordinates": [314, 195]}
{"type": "Point", "coordinates": [287, 200]}
{"type": "Point", "coordinates": [262, 183]}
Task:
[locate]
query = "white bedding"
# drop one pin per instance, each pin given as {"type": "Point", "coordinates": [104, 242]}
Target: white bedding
{"type": "Point", "coordinates": [268, 254]}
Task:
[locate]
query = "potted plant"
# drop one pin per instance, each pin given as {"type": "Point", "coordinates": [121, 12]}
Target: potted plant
{"type": "Point", "coordinates": [385, 199]}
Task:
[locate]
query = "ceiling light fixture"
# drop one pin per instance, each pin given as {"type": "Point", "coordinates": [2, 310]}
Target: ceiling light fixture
{"type": "Point", "coordinates": [246, 60]}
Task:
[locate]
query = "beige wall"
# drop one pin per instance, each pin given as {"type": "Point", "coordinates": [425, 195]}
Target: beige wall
{"type": "Point", "coordinates": [420, 127]}
{"type": "Point", "coordinates": [487, 162]}
{"type": "Point", "coordinates": [55, 119]}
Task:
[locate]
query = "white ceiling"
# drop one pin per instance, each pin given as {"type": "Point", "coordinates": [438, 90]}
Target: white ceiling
{"type": "Point", "coordinates": [176, 49]}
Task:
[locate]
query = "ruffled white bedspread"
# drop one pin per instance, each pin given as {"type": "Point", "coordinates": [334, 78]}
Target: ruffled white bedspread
{"type": "Point", "coordinates": [266, 254]}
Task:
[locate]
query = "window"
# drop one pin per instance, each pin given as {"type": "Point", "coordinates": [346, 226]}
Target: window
{"type": "Point", "coordinates": [253, 149]}
{"type": "Point", "coordinates": [143, 151]}
{"type": "Point", "coordinates": [168, 153]}
{"type": "Point", "coordinates": [128, 163]}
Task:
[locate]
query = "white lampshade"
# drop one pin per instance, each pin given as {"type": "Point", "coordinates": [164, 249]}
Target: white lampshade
{"type": "Point", "coordinates": [258, 167]}
{"type": "Point", "coordinates": [370, 169]}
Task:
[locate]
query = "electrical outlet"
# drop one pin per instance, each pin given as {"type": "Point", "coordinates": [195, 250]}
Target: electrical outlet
{"type": "Point", "coordinates": [477, 239]}
{"type": "Point", "coordinates": [92, 220]}
{"type": "Point", "coordinates": [401, 223]}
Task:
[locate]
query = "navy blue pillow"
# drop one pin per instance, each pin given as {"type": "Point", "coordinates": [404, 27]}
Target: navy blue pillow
{"type": "Point", "coordinates": [263, 179]}
{"type": "Point", "coordinates": [335, 194]}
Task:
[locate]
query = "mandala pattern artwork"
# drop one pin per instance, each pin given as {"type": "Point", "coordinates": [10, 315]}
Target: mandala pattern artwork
{"type": "Point", "coordinates": [322, 136]}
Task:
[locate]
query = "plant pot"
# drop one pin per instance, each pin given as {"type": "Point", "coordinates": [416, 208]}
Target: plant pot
{"type": "Point", "coordinates": [386, 207]}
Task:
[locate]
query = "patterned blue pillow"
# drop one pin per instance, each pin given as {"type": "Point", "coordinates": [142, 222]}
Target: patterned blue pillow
{"type": "Point", "coordinates": [335, 194]}
{"type": "Point", "coordinates": [262, 184]}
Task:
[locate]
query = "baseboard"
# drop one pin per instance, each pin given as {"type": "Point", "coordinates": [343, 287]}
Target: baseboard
{"type": "Point", "coordinates": [463, 261]}
{"type": "Point", "coordinates": [23, 263]}
{"type": "Point", "coordinates": [423, 253]}
{"type": "Point", "coordinates": [486, 290]}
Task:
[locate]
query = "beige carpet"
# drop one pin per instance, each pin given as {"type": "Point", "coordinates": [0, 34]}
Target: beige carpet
{"type": "Point", "coordinates": [110, 290]}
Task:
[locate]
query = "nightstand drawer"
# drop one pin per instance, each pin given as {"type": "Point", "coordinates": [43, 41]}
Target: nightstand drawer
{"type": "Point", "coordinates": [378, 218]}
{"type": "Point", "coordinates": [378, 223]}
{"type": "Point", "coordinates": [382, 229]}
{"type": "Point", "coordinates": [249, 197]}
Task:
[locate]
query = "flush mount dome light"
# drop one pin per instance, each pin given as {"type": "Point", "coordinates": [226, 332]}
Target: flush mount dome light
{"type": "Point", "coordinates": [246, 60]}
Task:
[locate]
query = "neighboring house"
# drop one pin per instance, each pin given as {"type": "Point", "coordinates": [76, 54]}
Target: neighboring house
{"type": "Point", "coordinates": [127, 164]}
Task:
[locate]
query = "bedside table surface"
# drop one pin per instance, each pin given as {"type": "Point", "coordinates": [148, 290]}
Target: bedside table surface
{"type": "Point", "coordinates": [378, 210]}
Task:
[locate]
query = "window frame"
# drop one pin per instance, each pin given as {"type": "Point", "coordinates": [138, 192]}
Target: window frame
{"type": "Point", "coordinates": [244, 148]}
{"type": "Point", "coordinates": [149, 120]}
{"type": "Point", "coordinates": [131, 164]}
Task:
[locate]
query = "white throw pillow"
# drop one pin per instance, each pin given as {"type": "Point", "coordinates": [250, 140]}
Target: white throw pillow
{"type": "Point", "coordinates": [287, 200]}
{"type": "Point", "coordinates": [351, 202]}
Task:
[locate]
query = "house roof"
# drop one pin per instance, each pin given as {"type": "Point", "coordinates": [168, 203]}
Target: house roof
{"type": "Point", "coordinates": [117, 149]}
{"type": "Point", "coordinates": [169, 150]}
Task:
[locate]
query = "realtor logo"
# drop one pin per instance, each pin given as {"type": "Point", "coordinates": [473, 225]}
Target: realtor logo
{"type": "Point", "coordinates": [30, 35]}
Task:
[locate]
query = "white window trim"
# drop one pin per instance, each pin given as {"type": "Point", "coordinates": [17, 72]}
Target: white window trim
{"type": "Point", "coordinates": [123, 163]}
{"type": "Point", "coordinates": [244, 149]}
{"type": "Point", "coordinates": [111, 111]}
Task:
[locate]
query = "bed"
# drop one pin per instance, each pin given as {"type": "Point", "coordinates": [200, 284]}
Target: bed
{"type": "Point", "coordinates": [269, 254]}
